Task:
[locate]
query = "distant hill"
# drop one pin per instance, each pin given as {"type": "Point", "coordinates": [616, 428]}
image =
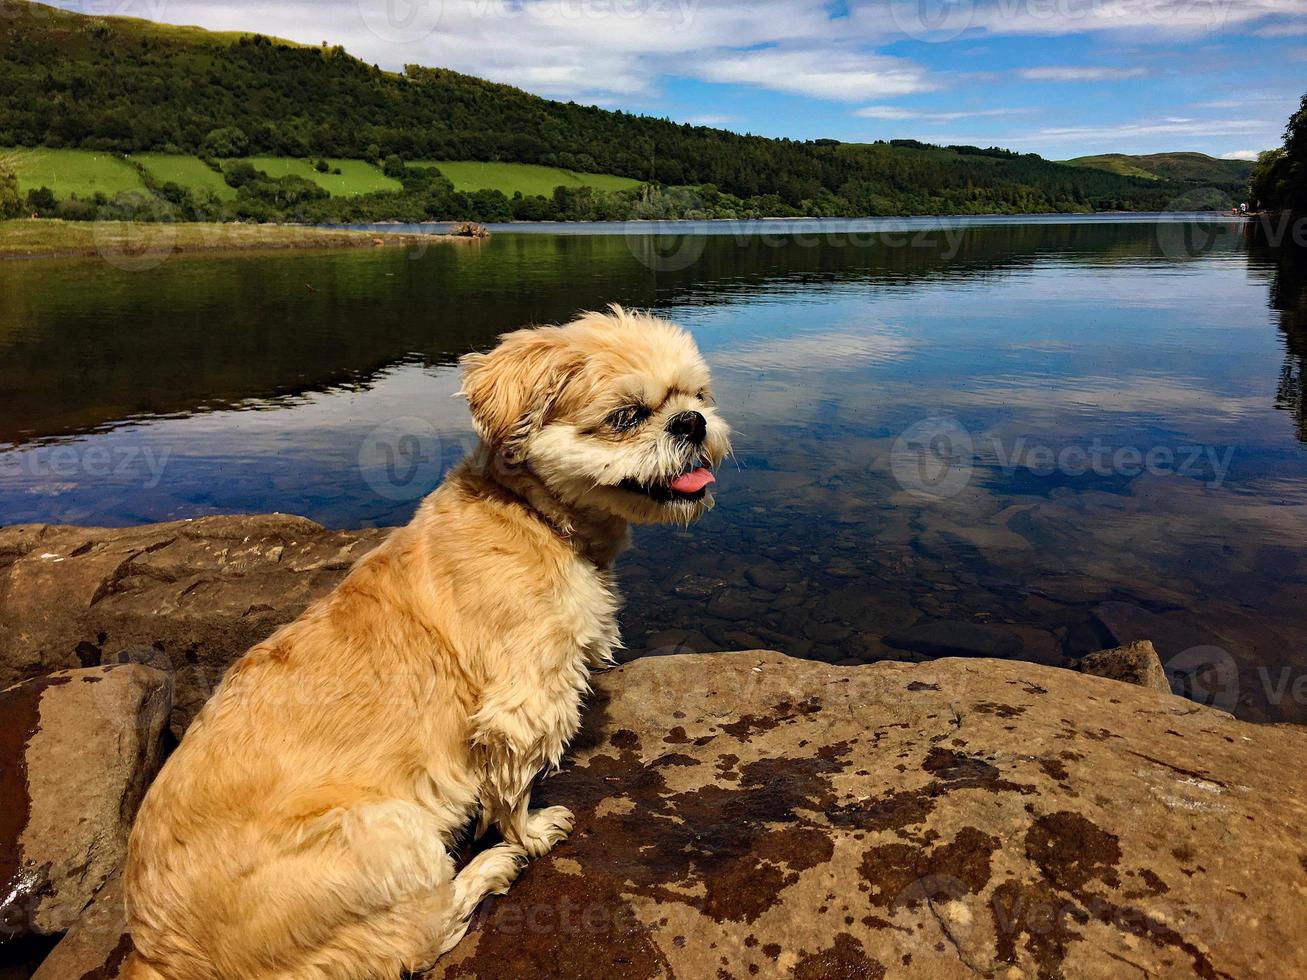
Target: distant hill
{"type": "Point", "coordinates": [124, 86]}
{"type": "Point", "coordinates": [1189, 168]}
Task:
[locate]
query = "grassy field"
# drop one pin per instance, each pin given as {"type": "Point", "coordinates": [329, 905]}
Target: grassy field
{"type": "Point", "coordinates": [67, 172]}
{"type": "Point", "coordinates": [1116, 163]}
{"type": "Point", "coordinates": [83, 172]}
{"type": "Point", "coordinates": [529, 178]}
{"type": "Point", "coordinates": [127, 243]}
{"type": "Point", "coordinates": [188, 172]}
{"type": "Point", "coordinates": [356, 176]}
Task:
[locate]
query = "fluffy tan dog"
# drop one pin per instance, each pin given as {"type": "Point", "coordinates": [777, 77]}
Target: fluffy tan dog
{"type": "Point", "coordinates": [304, 826]}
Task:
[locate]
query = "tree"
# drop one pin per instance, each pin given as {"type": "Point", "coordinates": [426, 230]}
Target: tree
{"type": "Point", "coordinates": [226, 142]}
{"type": "Point", "coordinates": [393, 166]}
{"type": "Point", "coordinates": [1279, 180]}
{"type": "Point", "coordinates": [41, 200]}
{"type": "Point", "coordinates": [11, 205]}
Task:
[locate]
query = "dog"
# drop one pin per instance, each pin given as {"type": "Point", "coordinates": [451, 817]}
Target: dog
{"type": "Point", "coordinates": [305, 825]}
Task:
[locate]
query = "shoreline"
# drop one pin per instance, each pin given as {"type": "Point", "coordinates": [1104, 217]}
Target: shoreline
{"type": "Point", "coordinates": [134, 243]}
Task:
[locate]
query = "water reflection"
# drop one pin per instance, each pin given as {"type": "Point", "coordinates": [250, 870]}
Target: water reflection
{"type": "Point", "coordinates": [1115, 460]}
{"type": "Point", "coordinates": [1288, 298]}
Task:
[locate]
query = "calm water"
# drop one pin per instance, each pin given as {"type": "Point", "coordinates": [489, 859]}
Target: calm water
{"type": "Point", "coordinates": [1060, 432]}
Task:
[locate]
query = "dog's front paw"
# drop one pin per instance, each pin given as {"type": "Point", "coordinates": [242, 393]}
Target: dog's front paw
{"type": "Point", "coordinates": [545, 828]}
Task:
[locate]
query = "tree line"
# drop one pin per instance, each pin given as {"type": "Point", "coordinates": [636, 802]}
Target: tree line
{"type": "Point", "coordinates": [1279, 181]}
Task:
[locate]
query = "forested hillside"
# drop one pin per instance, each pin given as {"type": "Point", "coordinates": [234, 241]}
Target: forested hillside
{"type": "Point", "coordinates": [129, 86]}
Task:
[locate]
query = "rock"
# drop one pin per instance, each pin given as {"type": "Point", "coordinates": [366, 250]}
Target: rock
{"type": "Point", "coordinates": [826, 632]}
{"type": "Point", "coordinates": [943, 638]}
{"type": "Point", "coordinates": [77, 750]}
{"type": "Point", "coordinates": [97, 946]}
{"type": "Point", "coordinates": [201, 592]}
{"type": "Point", "coordinates": [694, 586]}
{"type": "Point", "coordinates": [752, 815]}
{"type": "Point", "coordinates": [768, 576]}
{"type": "Point", "coordinates": [733, 605]}
{"type": "Point", "coordinates": [1136, 663]}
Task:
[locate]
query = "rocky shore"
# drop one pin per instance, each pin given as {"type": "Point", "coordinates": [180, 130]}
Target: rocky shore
{"type": "Point", "coordinates": [741, 814]}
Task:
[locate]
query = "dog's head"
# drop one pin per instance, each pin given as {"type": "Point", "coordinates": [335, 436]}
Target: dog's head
{"type": "Point", "coordinates": [612, 411]}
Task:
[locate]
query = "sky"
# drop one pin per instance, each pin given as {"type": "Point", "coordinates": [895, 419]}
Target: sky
{"type": "Point", "coordinates": [1061, 78]}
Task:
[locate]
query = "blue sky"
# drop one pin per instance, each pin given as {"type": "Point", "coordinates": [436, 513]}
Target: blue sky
{"type": "Point", "coordinates": [1058, 77]}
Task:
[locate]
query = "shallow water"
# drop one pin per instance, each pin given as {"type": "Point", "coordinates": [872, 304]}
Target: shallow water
{"type": "Point", "coordinates": [1060, 431]}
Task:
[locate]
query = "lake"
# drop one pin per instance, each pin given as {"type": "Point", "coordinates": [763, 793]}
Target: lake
{"type": "Point", "coordinates": [1016, 437]}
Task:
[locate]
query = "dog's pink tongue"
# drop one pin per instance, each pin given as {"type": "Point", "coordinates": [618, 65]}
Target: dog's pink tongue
{"type": "Point", "coordinates": [693, 482]}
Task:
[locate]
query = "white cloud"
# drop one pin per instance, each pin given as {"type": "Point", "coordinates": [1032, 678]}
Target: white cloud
{"type": "Point", "coordinates": [841, 75]}
{"type": "Point", "coordinates": [1081, 73]}
{"type": "Point", "coordinates": [707, 119]}
{"type": "Point", "coordinates": [895, 112]}
{"type": "Point", "coordinates": [1153, 127]}
{"type": "Point", "coordinates": [1240, 155]}
{"type": "Point", "coordinates": [1057, 17]}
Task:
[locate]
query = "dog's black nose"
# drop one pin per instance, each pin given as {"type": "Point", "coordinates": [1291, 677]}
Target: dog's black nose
{"type": "Point", "coordinates": [690, 426]}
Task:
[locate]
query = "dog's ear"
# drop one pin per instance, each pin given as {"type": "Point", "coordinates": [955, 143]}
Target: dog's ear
{"type": "Point", "coordinates": [513, 389]}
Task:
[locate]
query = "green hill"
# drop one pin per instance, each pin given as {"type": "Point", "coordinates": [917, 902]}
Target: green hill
{"type": "Point", "coordinates": [117, 85]}
{"type": "Point", "coordinates": [1189, 168]}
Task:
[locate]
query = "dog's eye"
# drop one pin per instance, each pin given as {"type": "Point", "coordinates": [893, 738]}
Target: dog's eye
{"type": "Point", "coordinates": [628, 417]}
{"type": "Point", "coordinates": [705, 396]}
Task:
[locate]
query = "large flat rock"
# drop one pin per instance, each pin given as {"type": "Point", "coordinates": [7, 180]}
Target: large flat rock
{"type": "Point", "coordinates": [77, 750]}
{"type": "Point", "coordinates": [752, 815]}
{"type": "Point", "coordinates": [199, 592]}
